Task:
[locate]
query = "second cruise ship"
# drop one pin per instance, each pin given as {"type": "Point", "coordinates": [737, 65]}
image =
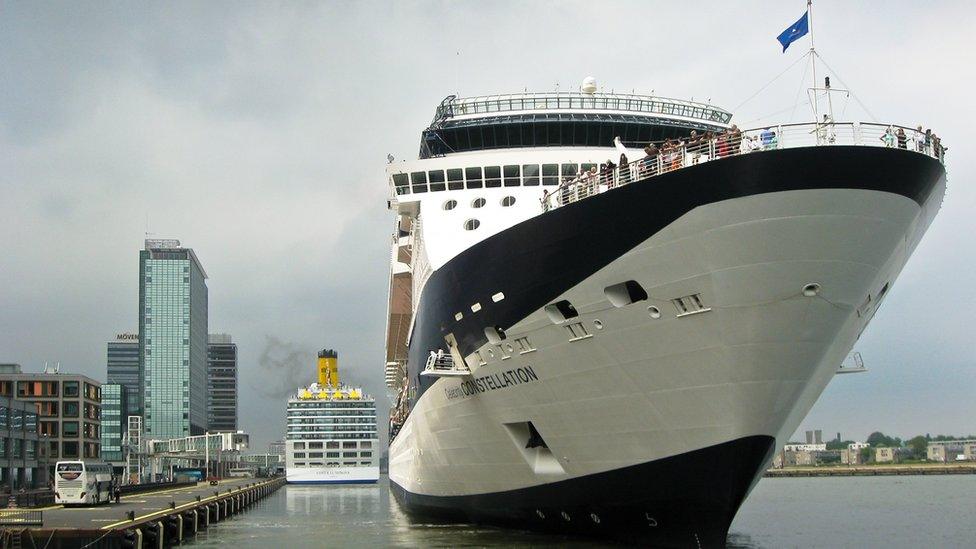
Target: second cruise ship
{"type": "Point", "coordinates": [331, 436]}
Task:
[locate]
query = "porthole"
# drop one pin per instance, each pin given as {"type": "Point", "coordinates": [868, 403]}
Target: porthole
{"type": "Point", "coordinates": [471, 224]}
{"type": "Point", "coordinates": [598, 324]}
{"type": "Point", "coordinates": [450, 204]}
{"type": "Point", "coordinates": [478, 203]}
{"type": "Point", "coordinates": [491, 353]}
{"type": "Point", "coordinates": [654, 312]}
{"type": "Point", "coordinates": [508, 201]}
{"type": "Point", "coordinates": [509, 348]}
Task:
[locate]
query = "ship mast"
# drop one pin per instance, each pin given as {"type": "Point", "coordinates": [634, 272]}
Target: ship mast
{"type": "Point", "coordinates": [813, 61]}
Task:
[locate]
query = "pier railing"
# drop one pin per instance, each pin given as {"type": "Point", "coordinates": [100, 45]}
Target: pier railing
{"type": "Point", "coordinates": [672, 157]}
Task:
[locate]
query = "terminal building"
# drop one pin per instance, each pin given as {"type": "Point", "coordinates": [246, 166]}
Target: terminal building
{"type": "Point", "coordinates": [68, 408]}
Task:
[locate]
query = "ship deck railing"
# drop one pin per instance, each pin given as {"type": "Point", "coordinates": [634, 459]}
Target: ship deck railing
{"type": "Point", "coordinates": [441, 364]}
{"type": "Point", "coordinates": [729, 144]}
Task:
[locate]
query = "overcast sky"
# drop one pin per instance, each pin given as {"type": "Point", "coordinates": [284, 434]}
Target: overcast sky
{"type": "Point", "coordinates": [257, 133]}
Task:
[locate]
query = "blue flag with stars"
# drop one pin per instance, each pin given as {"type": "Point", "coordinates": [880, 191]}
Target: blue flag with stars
{"type": "Point", "coordinates": [794, 32]}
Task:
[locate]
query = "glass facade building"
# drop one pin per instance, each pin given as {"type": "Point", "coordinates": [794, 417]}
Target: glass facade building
{"type": "Point", "coordinates": [23, 459]}
{"type": "Point", "coordinates": [172, 340]}
{"type": "Point", "coordinates": [221, 383]}
{"type": "Point", "coordinates": [114, 398]}
{"type": "Point", "coordinates": [123, 368]}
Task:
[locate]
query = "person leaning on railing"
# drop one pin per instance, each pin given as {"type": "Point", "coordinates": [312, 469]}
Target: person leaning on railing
{"type": "Point", "coordinates": [649, 162]}
{"type": "Point", "coordinates": [606, 174]}
{"type": "Point", "coordinates": [888, 138]}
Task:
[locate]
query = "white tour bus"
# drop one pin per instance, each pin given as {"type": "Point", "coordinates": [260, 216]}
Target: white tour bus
{"type": "Point", "coordinates": [82, 483]}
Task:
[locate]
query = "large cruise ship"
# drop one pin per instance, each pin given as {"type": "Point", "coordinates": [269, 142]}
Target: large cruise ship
{"type": "Point", "coordinates": [588, 334]}
{"type": "Point", "coordinates": [331, 436]}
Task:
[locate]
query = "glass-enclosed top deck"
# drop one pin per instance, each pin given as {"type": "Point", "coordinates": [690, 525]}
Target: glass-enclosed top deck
{"type": "Point", "coordinates": [562, 119]}
{"type": "Point", "coordinates": [455, 107]}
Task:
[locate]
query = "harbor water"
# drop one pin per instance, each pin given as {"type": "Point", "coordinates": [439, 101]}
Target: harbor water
{"type": "Point", "coordinates": [907, 511]}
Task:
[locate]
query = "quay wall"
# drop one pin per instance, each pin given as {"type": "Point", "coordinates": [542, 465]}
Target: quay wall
{"type": "Point", "coordinates": [873, 470]}
{"type": "Point", "coordinates": [167, 526]}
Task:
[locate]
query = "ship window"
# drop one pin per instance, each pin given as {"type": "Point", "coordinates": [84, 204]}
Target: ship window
{"type": "Point", "coordinates": [512, 176]}
{"type": "Point", "coordinates": [300, 455]}
{"type": "Point", "coordinates": [471, 224]}
{"type": "Point", "coordinates": [587, 167]}
{"type": "Point", "coordinates": [365, 444]}
{"type": "Point", "coordinates": [625, 293]}
{"type": "Point", "coordinates": [473, 175]}
{"type": "Point", "coordinates": [402, 183]}
{"type": "Point", "coordinates": [450, 204]}
{"type": "Point", "coordinates": [530, 173]}
{"type": "Point", "coordinates": [348, 444]}
{"type": "Point", "coordinates": [436, 180]}
{"type": "Point", "coordinates": [299, 446]}
{"type": "Point", "coordinates": [550, 174]}
{"type": "Point", "coordinates": [478, 203]}
{"type": "Point", "coordinates": [419, 182]}
{"type": "Point", "coordinates": [314, 446]}
{"type": "Point", "coordinates": [332, 454]}
{"type": "Point", "coordinates": [493, 176]}
{"type": "Point", "coordinates": [561, 311]}
{"type": "Point", "coordinates": [569, 170]}
{"type": "Point", "coordinates": [508, 201]}
{"type": "Point", "coordinates": [331, 444]}
{"type": "Point", "coordinates": [315, 455]}
{"type": "Point", "coordinates": [455, 179]}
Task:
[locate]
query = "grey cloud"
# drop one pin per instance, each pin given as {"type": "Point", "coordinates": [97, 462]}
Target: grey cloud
{"type": "Point", "coordinates": [257, 134]}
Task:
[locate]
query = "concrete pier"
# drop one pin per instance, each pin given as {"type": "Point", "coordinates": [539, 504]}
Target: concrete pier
{"type": "Point", "coordinates": [146, 520]}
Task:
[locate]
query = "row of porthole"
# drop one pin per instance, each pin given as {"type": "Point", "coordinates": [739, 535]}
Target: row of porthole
{"type": "Point", "coordinates": [480, 203]}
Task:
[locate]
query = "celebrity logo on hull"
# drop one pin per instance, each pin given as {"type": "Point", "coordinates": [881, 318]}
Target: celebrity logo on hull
{"type": "Point", "coordinates": [492, 382]}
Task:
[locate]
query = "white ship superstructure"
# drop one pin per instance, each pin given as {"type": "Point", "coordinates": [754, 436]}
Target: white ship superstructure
{"type": "Point", "coordinates": [331, 436]}
{"type": "Point", "coordinates": [584, 342]}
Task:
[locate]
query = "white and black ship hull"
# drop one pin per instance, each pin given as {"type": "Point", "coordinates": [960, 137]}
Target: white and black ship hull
{"type": "Point", "coordinates": [652, 419]}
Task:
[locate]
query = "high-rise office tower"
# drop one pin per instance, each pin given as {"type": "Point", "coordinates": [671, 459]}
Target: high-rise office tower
{"type": "Point", "coordinates": [123, 369]}
{"type": "Point", "coordinates": [172, 340]}
{"type": "Point", "coordinates": [221, 383]}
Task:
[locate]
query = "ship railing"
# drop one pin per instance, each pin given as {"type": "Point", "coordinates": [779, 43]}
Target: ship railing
{"type": "Point", "coordinates": [441, 364]}
{"type": "Point", "coordinates": [699, 150]}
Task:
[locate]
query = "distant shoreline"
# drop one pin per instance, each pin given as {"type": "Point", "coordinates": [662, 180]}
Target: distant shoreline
{"type": "Point", "coordinates": [894, 469]}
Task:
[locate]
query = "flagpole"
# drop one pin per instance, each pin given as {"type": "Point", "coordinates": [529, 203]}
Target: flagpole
{"type": "Point", "coordinates": [813, 61]}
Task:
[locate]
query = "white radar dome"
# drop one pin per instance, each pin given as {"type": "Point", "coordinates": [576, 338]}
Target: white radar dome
{"type": "Point", "coordinates": [589, 85]}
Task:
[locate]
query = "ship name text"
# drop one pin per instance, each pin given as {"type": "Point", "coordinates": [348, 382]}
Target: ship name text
{"type": "Point", "coordinates": [491, 382]}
